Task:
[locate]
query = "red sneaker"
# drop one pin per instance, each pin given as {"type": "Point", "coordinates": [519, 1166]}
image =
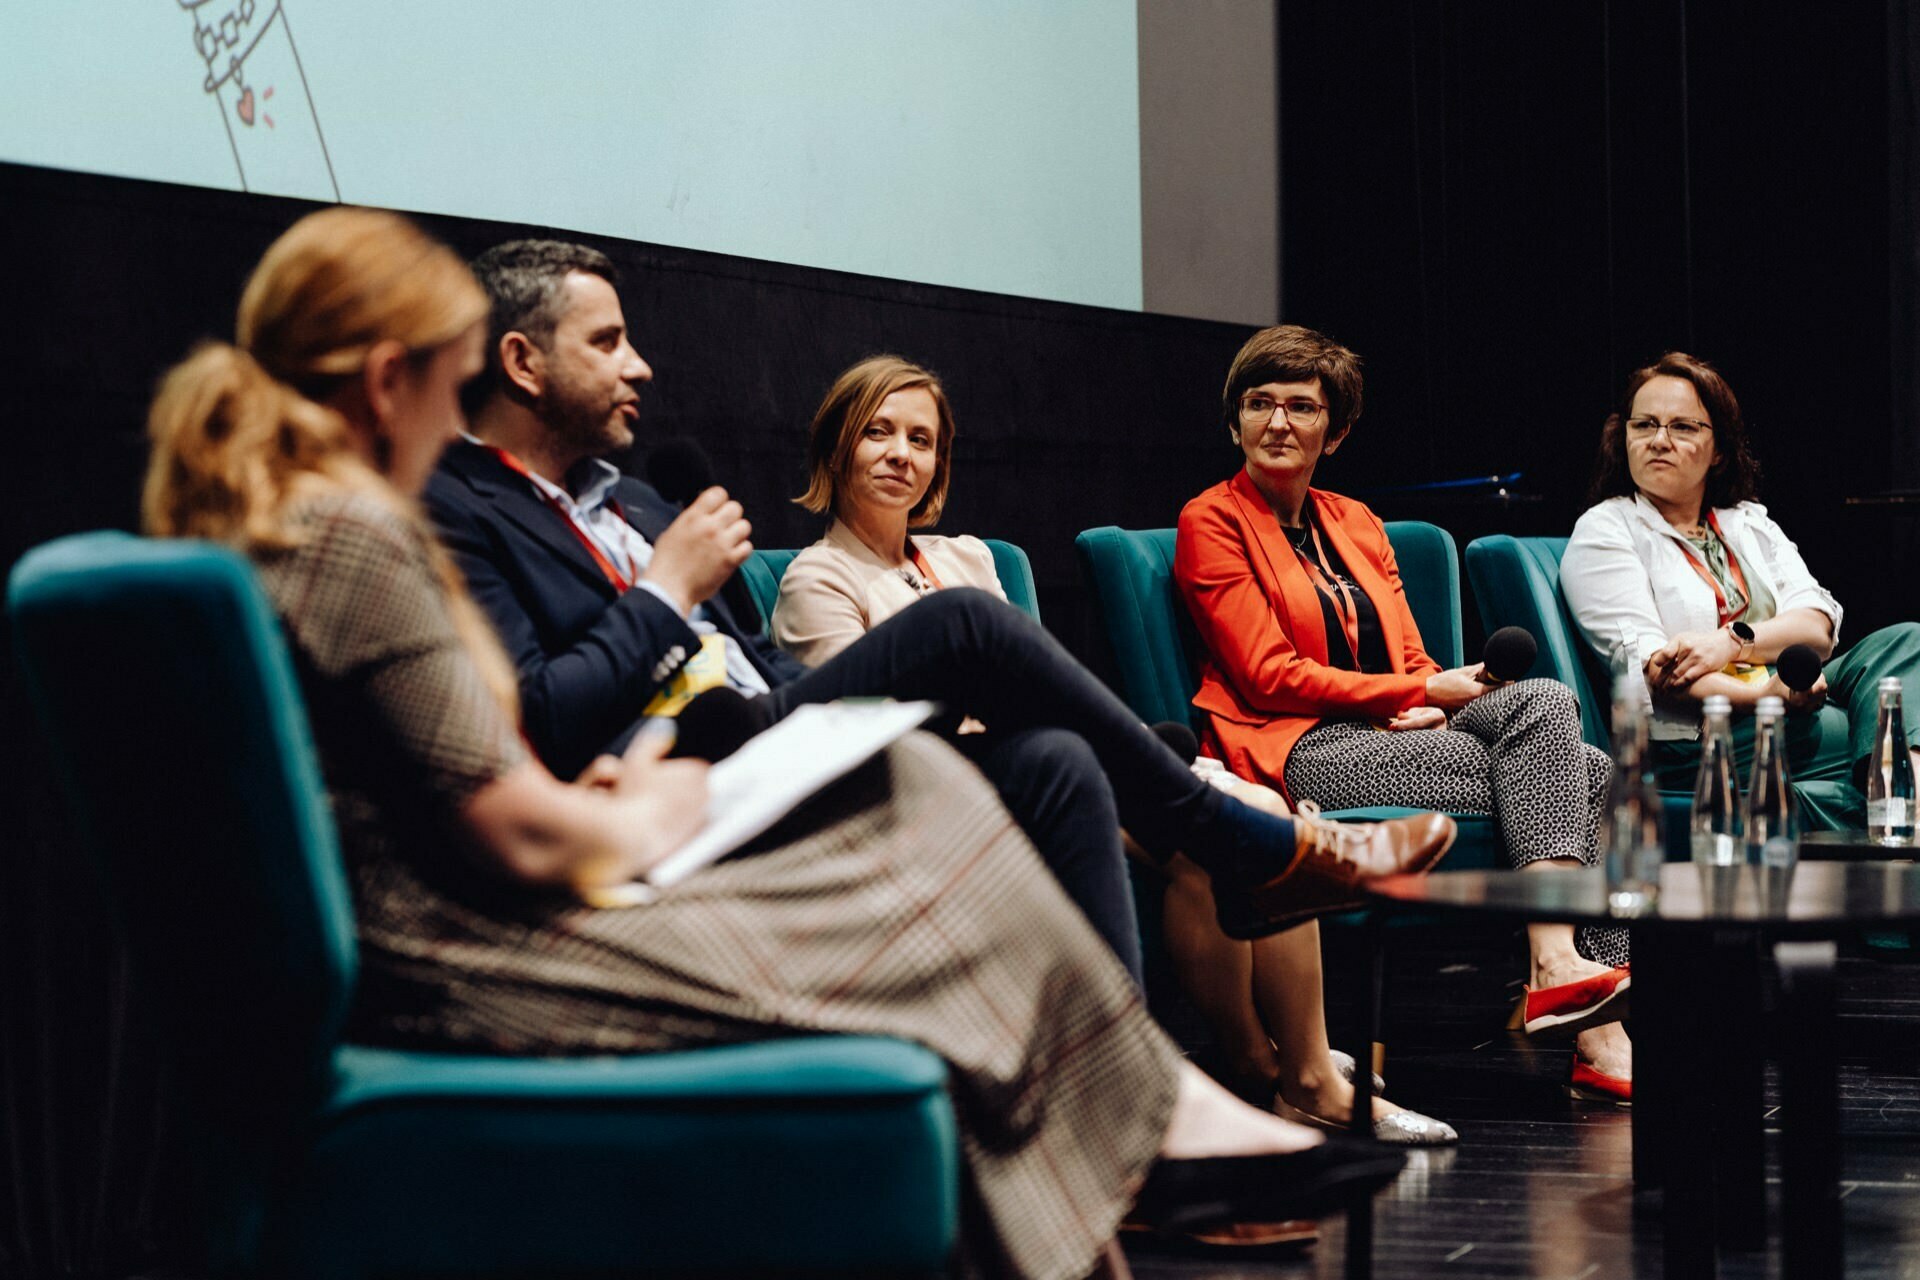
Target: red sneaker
{"type": "Point", "coordinates": [1573, 1007]}
{"type": "Point", "coordinates": [1597, 1086]}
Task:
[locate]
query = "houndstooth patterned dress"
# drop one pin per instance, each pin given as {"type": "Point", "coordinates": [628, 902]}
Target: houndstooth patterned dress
{"type": "Point", "coordinates": [1514, 752]}
{"type": "Point", "coordinates": [852, 915]}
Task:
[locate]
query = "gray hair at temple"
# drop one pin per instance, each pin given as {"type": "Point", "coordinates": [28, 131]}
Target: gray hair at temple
{"type": "Point", "coordinates": [522, 279]}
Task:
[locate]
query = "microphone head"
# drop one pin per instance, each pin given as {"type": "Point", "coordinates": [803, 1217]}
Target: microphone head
{"type": "Point", "coordinates": [680, 469]}
{"type": "Point", "coordinates": [1510, 653]}
{"type": "Point", "coordinates": [1798, 666]}
{"type": "Point", "coordinates": [716, 724]}
{"type": "Point", "coordinates": [1179, 739]}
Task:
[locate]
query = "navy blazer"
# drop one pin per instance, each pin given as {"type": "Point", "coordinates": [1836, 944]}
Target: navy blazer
{"type": "Point", "coordinates": [590, 657]}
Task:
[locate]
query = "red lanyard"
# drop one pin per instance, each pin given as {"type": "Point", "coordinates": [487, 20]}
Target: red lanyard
{"type": "Point", "coordinates": [926, 570]}
{"type": "Point", "coordinates": [1334, 589]}
{"type": "Point", "coordinates": [621, 582]}
{"type": "Point", "coordinates": [1733, 566]}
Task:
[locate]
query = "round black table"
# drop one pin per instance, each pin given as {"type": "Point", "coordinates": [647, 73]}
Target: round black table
{"type": "Point", "coordinates": [1848, 846]}
{"type": "Point", "coordinates": [1698, 1027]}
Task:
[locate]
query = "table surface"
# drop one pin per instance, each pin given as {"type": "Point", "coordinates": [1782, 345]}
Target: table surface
{"type": "Point", "coordinates": [1812, 898]}
{"type": "Point", "coordinates": [1854, 844]}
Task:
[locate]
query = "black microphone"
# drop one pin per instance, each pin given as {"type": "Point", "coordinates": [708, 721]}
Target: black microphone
{"type": "Point", "coordinates": [1179, 740]}
{"type": "Point", "coordinates": [716, 724]}
{"type": "Point", "coordinates": [680, 469]}
{"type": "Point", "coordinates": [1509, 655]}
{"type": "Point", "coordinates": [1799, 667]}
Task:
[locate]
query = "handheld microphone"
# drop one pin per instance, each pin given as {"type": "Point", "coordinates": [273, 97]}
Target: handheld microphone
{"type": "Point", "coordinates": [1509, 655]}
{"type": "Point", "coordinates": [680, 469]}
{"type": "Point", "coordinates": [1798, 666]}
{"type": "Point", "coordinates": [1179, 740]}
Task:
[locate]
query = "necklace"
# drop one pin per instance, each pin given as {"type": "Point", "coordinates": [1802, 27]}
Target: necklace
{"type": "Point", "coordinates": [1298, 537]}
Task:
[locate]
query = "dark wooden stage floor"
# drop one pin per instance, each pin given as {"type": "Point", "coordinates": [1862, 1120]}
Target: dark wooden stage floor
{"type": "Point", "coordinates": [1540, 1185]}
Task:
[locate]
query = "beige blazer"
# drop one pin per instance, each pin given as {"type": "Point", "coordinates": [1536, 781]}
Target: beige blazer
{"type": "Point", "coordinates": [837, 590]}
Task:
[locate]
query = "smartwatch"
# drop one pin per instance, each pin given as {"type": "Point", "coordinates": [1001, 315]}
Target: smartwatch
{"type": "Point", "coordinates": [1743, 633]}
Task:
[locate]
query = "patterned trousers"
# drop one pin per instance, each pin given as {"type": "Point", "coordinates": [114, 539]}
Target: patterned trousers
{"type": "Point", "coordinates": [1514, 752]}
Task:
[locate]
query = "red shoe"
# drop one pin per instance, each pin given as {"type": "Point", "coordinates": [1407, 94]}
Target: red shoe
{"type": "Point", "coordinates": [1597, 1086]}
{"type": "Point", "coordinates": [1573, 1007]}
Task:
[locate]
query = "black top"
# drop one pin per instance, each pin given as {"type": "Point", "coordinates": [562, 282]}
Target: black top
{"type": "Point", "coordinates": [1318, 552]}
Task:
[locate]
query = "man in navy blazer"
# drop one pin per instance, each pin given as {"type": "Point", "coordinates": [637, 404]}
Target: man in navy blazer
{"type": "Point", "coordinates": [608, 598]}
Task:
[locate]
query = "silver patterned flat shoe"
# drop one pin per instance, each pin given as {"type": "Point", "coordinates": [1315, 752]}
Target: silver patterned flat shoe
{"type": "Point", "coordinates": [1401, 1129]}
{"type": "Point", "coordinates": [1343, 1063]}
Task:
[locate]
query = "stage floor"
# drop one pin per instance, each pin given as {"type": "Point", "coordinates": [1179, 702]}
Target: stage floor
{"type": "Point", "coordinates": [1540, 1185]}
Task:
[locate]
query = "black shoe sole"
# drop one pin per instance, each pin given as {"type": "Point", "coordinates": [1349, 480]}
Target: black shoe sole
{"type": "Point", "coordinates": [1190, 1195]}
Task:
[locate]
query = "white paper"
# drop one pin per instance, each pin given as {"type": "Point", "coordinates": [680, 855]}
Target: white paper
{"type": "Point", "coordinates": [768, 778]}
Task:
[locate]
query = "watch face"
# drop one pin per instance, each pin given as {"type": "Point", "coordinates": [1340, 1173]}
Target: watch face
{"type": "Point", "coordinates": [1741, 632]}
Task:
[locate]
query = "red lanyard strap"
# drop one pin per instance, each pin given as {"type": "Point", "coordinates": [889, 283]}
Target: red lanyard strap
{"type": "Point", "coordinates": [925, 569]}
{"type": "Point", "coordinates": [1725, 614]}
{"type": "Point", "coordinates": [621, 582]}
{"type": "Point", "coordinates": [1334, 589]}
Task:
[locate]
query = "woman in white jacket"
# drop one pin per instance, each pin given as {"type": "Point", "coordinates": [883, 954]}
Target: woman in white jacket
{"type": "Point", "coordinates": [1679, 571]}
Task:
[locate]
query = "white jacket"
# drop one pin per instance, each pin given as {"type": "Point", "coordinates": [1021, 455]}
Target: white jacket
{"type": "Point", "coordinates": [1631, 587]}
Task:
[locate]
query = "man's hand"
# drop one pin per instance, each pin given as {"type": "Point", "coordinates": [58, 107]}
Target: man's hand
{"type": "Point", "coordinates": [700, 550]}
{"type": "Point", "coordinates": [1451, 690]}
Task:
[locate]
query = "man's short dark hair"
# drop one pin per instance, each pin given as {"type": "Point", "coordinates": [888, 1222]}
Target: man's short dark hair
{"type": "Point", "coordinates": [522, 279]}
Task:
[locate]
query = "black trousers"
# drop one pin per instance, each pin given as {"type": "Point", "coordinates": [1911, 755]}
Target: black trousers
{"type": "Point", "coordinates": [1069, 759]}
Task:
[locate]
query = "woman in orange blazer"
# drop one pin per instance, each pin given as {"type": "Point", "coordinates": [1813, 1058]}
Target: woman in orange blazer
{"type": "Point", "coordinates": [1316, 681]}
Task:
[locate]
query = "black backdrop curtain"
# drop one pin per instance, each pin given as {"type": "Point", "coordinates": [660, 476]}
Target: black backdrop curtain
{"type": "Point", "coordinates": [1505, 206]}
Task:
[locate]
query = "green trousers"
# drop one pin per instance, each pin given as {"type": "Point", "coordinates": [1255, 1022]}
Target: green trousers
{"type": "Point", "coordinates": [1827, 751]}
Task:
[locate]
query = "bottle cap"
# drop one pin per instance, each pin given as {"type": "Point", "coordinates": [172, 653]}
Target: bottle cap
{"type": "Point", "coordinates": [1890, 684]}
{"type": "Point", "coordinates": [1770, 707]}
{"type": "Point", "coordinates": [1717, 705]}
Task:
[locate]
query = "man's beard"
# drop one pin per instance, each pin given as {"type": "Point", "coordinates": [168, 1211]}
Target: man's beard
{"type": "Point", "coordinates": [590, 424]}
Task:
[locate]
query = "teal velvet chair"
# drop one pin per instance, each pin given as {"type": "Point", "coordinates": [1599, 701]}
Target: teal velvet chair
{"type": "Point", "coordinates": [170, 709]}
{"type": "Point", "coordinates": [764, 569]}
{"type": "Point", "coordinates": [1159, 653]}
{"type": "Point", "coordinates": [1517, 584]}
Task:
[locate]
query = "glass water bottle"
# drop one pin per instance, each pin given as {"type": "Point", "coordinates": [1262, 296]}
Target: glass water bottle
{"type": "Point", "coordinates": [1716, 791]}
{"type": "Point", "coordinates": [1890, 773]}
{"type": "Point", "coordinates": [1632, 829]}
{"type": "Point", "coordinates": [1771, 819]}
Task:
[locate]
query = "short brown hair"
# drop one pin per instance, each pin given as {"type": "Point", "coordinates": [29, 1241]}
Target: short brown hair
{"type": "Point", "coordinates": [850, 405]}
{"type": "Point", "coordinates": [1295, 353]}
{"type": "Point", "coordinates": [1734, 478]}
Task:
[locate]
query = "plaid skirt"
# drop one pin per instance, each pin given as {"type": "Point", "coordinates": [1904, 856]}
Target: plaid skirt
{"type": "Point", "coordinates": [902, 901]}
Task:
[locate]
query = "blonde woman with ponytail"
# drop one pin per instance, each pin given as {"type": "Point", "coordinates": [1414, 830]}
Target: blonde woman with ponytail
{"type": "Point", "coordinates": [905, 902]}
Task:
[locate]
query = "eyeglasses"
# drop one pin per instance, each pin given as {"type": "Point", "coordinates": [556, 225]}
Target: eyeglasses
{"type": "Point", "coordinates": [1679, 431]}
{"type": "Point", "coordinates": [1258, 410]}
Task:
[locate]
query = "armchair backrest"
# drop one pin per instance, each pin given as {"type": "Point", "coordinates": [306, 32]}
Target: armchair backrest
{"type": "Point", "coordinates": [171, 712]}
{"type": "Point", "coordinates": [1154, 643]}
{"type": "Point", "coordinates": [764, 569]}
{"type": "Point", "coordinates": [1517, 584]}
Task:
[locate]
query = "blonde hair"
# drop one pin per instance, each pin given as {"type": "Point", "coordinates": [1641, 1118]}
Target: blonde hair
{"type": "Point", "coordinates": [850, 405]}
{"type": "Point", "coordinates": [239, 430]}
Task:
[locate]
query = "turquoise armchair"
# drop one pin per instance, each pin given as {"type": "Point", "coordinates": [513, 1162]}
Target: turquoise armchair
{"type": "Point", "coordinates": [1159, 653]}
{"type": "Point", "coordinates": [764, 569]}
{"type": "Point", "coordinates": [1517, 583]}
{"type": "Point", "coordinates": [170, 709]}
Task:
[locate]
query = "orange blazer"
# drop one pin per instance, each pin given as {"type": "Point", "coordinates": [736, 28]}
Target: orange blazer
{"type": "Point", "coordinates": [1266, 680]}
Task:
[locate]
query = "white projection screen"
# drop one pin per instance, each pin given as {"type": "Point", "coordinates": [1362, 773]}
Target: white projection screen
{"type": "Point", "coordinates": [985, 144]}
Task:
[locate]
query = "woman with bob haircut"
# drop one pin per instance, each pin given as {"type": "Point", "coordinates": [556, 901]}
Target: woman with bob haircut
{"type": "Point", "coordinates": [1679, 571]}
{"type": "Point", "coordinates": [879, 451]}
{"type": "Point", "coordinates": [905, 903]}
{"type": "Point", "coordinates": [1316, 681]}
